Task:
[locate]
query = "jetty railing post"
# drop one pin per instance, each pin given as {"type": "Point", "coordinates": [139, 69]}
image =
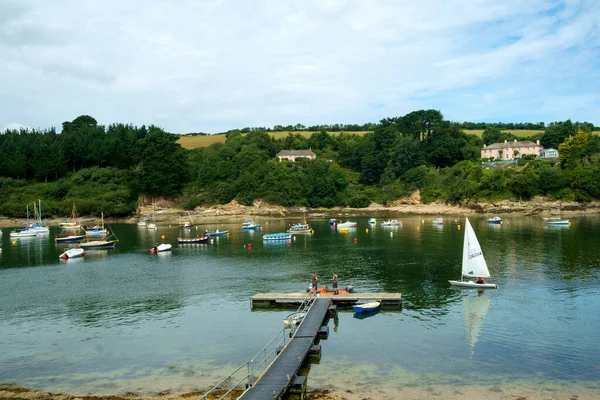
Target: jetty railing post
{"type": "Point", "coordinates": [250, 374]}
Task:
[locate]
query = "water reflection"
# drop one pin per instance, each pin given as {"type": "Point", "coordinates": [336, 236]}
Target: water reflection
{"type": "Point", "coordinates": [367, 314]}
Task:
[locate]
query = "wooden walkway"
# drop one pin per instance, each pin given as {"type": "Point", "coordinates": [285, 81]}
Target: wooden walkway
{"type": "Point", "coordinates": [275, 381]}
{"type": "Point", "coordinates": [272, 299]}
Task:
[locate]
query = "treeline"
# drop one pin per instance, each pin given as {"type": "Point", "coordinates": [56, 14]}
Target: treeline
{"type": "Point", "coordinates": [106, 168]}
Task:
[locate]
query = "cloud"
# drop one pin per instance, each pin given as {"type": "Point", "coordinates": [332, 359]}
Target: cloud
{"type": "Point", "coordinates": [217, 65]}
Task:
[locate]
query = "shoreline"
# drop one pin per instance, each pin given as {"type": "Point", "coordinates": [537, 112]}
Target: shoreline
{"type": "Point", "coordinates": [516, 391]}
{"type": "Point", "coordinates": [233, 211]}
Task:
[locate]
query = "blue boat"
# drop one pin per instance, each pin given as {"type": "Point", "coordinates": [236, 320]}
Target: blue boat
{"type": "Point", "coordinates": [332, 221]}
{"type": "Point", "coordinates": [277, 236]}
{"type": "Point", "coordinates": [250, 225]}
{"type": "Point", "coordinates": [366, 307]}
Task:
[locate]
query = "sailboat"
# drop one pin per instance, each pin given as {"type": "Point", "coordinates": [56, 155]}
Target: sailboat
{"type": "Point", "coordinates": [152, 225]}
{"type": "Point", "coordinates": [475, 310]}
{"type": "Point", "coordinates": [72, 224]}
{"type": "Point", "coordinates": [100, 243]}
{"type": "Point", "coordinates": [473, 262]}
{"type": "Point", "coordinates": [37, 224]}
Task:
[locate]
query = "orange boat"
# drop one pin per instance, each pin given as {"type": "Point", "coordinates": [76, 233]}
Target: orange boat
{"type": "Point", "coordinates": [324, 290]}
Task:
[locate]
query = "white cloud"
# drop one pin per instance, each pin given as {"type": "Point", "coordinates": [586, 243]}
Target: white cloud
{"type": "Point", "coordinates": [216, 65]}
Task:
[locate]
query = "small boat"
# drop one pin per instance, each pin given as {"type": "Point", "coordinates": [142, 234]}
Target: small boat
{"type": "Point", "coordinates": [473, 262]}
{"type": "Point", "coordinates": [23, 233]}
{"type": "Point", "coordinates": [142, 222]}
{"type": "Point", "coordinates": [366, 307]}
{"type": "Point", "coordinates": [216, 233]}
{"type": "Point", "coordinates": [557, 221]}
{"type": "Point", "coordinates": [347, 224]}
{"type": "Point", "coordinates": [391, 222]}
{"type": "Point", "coordinates": [100, 244]}
{"type": "Point", "coordinates": [250, 225]}
{"type": "Point", "coordinates": [300, 228]}
{"type": "Point", "coordinates": [72, 224]}
{"type": "Point", "coordinates": [372, 221]}
{"type": "Point", "coordinates": [197, 240]}
{"type": "Point", "coordinates": [294, 318]}
{"type": "Point", "coordinates": [68, 238]}
{"type": "Point", "coordinates": [160, 248]}
{"type": "Point", "coordinates": [98, 230]}
{"type": "Point", "coordinates": [438, 221]}
{"type": "Point", "coordinates": [152, 224]}
{"type": "Point", "coordinates": [72, 253]}
{"type": "Point", "coordinates": [332, 221]}
{"type": "Point", "coordinates": [494, 220]}
{"type": "Point", "coordinates": [277, 236]}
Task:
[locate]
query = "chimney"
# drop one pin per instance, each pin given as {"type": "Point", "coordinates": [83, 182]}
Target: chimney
{"type": "Point", "coordinates": [505, 141]}
{"type": "Point", "coordinates": [537, 142]}
{"type": "Point", "coordinates": [515, 140]}
{"type": "Point", "coordinates": [484, 145]}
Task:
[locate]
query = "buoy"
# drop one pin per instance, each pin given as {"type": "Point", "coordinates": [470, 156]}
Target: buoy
{"type": "Point", "coordinates": [392, 233]}
{"type": "Point", "coordinates": [249, 246]}
{"type": "Point", "coordinates": [459, 227]}
{"type": "Point", "coordinates": [367, 230]}
{"type": "Point", "coordinates": [294, 238]}
{"type": "Point", "coordinates": [355, 240]}
{"type": "Point", "coordinates": [267, 222]}
{"type": "Point", "coordinates": [212, 241]}
{"type": "Point", "coordinates": [312, 232]}
{"type": "Point", "coordinates": [169, 225]}
{"type": "Point", "coordinates": [162, 237]}
{"type": "Point", "coordinates": [422, 221]}
{"type": "Point", "coordinates": [227, 233]}
{"type": "Point", "coordinates": [288, 243]}
{"type": "Point", "coordinates": [417, 228]}
{"type": "Point", "coordinates": [14, 242]}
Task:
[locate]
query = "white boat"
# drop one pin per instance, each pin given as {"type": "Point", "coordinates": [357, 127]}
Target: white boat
{"type": "Point", "coordinates": [473, 262]}
{"type": "Point", "coordinates": [391, 222]}
{"type": "Point", "coordinates": [475, 309]}
{"type": "Point", "coordinates": [556, 221]}
{"type": "Point", "coordinates": [250, 225]}
{"type": "Point", "coordinates": [100, 243]}
{"type": "Point", "coordinates": [438, 221]}
{"type": "Point", "coordinates": [142, 222]}
{"type": "Point", "coordinates": [152, 224]}
{"type": "Point", "coordinates": [72, 224]}
{"type": "Point", "coordinates": [72, 253]}
{"type": "Point", "coordinates": [294, 318]}
{"type": "Point", "coordinates": [160, 248]}
{"type": "Point", "coordinates": [23, 233]}
{"type": "Point", "coordinates": [494, 220]}
{"type": "Point", "coordinates": [347, 224]}
{"type": "Point", "coordinates": [372, 221]}
{"type": "Point", "coordinates": [300, 228]}
{"type": "Point", "coordinates": [37, 224]}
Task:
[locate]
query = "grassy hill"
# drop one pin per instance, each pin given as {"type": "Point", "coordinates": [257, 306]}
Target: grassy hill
{"type": "Point", "coordinates": [192, 142]}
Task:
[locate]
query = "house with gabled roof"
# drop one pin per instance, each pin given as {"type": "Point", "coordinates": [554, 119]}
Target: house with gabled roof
{"type": "Point", "coordinates": [511, 150]}
{"type": "Point", "coordinates": [292, 155]}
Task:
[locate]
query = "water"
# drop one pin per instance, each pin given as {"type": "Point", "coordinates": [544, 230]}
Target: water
{"type": "Point", "coordinates": [124, 320]}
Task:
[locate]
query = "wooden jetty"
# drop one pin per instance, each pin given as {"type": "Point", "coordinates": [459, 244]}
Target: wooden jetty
{"type": "Point", "coordinates": [280, 375]}
{"type": "Point", "coordinates": [274, 299]}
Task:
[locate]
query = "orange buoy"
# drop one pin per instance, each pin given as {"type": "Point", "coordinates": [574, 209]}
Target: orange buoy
{"type": "Point", "coordinates": [249, 246]}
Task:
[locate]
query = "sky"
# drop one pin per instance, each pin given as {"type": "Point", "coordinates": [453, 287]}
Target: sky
{"type": "Point", "coordinates": [211, 66]}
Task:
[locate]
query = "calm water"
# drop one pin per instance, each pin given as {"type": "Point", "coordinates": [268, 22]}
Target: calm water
{"type": "Point", "coordinates": [124, 320]}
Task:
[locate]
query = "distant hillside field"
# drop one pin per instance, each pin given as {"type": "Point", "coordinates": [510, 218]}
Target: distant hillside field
{"type": "Point", "coordinates": [521, 133]}
{"type": "Point", "coordinates": [192, 142]}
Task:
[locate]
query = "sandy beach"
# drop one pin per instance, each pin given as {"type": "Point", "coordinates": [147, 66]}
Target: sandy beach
{"type": "Point", "coordinates": [497, 392]}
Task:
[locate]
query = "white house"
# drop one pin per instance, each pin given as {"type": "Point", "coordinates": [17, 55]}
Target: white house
{"type": "Point", "coordinates": [549, 153]}
{"type": "Point", "coordinates": [292, 155]}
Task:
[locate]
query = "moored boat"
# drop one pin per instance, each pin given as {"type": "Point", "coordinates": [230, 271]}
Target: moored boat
{"type": "Point", "coordinates": [557, 221]}
{"type": "Point", "coordinates": [197, 240]}
{"type": "Point", "coordinates": [391, 222]}
{"type": "Point", "coordinates": [160, 248]}
{"type": "Point", "coordinates": [250, 225]}
{"type": "Point", "coordinates": [23, 233]}
{"type": "Point", "coordinates": [72, 253]}
{"type": "Point", "coordinates": [332, 221]}
{"type": "Point", "coordinates": [277, 236]}
{"type": "Point", "coordinates": [294, 318]}
{"type": "Point", "coordinates": [216, 233]}
{"type": "Point", "coordinates": [300, 228]}
{"type": "Point", "coordinates": [347, 224]}
{"type": "Point", "coordinates": [494, 220]}
{"type": "Point", "coordinates": [68, 238]}
{"type": "Point", "coordinates": [100, 244]}
{"type": "Point", "coordinates": [372, 221]}
{"type": "Point", "coordinates": [366, 307]}
{"type": "Point", "coordinates": [438, 221]}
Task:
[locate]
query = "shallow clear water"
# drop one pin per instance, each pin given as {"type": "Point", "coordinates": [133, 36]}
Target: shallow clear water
{"type": "Point", "coordinates": [124, 320]}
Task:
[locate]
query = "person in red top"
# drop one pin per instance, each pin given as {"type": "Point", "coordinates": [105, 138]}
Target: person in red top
{"type": "Point", "coordinates": [480, 280]}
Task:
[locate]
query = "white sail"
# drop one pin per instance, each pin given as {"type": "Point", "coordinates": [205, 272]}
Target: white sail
{"type": "Point", "coordinates": [473, 263]}
{"type": "Point", "coordinates": [475, 310]}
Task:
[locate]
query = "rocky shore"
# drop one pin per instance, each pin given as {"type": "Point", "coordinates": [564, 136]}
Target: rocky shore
{"type": "Point", "coordinates": [166, 212]}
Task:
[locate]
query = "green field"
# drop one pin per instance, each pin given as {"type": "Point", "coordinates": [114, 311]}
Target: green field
{"type": "Point", "coordinates": [191, 142]}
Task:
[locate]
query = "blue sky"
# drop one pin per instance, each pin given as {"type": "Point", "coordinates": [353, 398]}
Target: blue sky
{"type": "Point", "coordinates": [210, 66]}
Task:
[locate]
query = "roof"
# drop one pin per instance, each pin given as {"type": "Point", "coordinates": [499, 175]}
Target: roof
{"type": "Point", "coordinates": [550, 149]}
{"type": "Point", "coordinates": [296, 153]}
{"type": "Point", "coordinates": [506, 145]}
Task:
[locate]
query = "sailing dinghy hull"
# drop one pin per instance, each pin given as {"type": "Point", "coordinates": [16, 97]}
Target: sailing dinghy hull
{"type": "Point", "coordinates": [473, 285]}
